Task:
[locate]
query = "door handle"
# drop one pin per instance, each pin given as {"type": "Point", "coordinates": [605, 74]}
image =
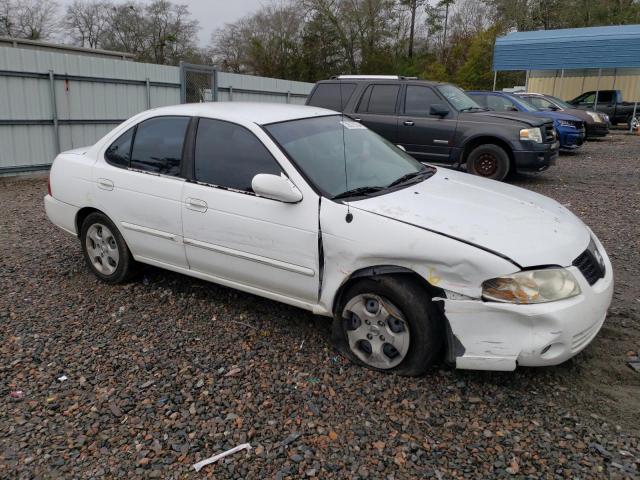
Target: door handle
{"type": "Point", "coordinates": [357, 119]}
{"type": "Point", "coordinates": [105, 184]}
{"type": "Point", "coordinates": [196, 204]}
{"type": "Point", "coordinates": [408, 123]}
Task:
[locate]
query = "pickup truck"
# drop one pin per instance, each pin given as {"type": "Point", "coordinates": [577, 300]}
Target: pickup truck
{"type": "Point", "coordinates": [439, 123]}
{"type": "Point", "coordinates": [609, 102]}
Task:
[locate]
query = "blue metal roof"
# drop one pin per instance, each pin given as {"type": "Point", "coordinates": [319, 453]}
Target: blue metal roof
{"type": "Point", "coordinates": [594, 47]}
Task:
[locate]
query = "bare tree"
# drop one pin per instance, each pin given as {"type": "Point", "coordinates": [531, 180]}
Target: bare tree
{"type": "Point", "coordinates": [31, 19]}
{"type": "Point", "coordinates": [86, 21]}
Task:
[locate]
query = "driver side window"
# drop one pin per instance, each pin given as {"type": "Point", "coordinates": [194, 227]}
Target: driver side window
{"type": "Point", "coordinates": [541, 103]}
{"type": "Point", "coordinates": [229, 155]}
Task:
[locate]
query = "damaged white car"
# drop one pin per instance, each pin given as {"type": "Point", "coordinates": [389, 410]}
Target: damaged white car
{"type": "Point", "coordinates": [304, 206]}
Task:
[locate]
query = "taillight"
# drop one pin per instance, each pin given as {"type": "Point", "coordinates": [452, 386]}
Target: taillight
{"type": "Point", "coordinates": [49, 186]}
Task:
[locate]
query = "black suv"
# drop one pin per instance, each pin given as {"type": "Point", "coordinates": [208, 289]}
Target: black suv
{"type": "Point", "coordinates": [439, 123]}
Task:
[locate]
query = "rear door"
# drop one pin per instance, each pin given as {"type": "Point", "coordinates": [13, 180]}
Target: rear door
{"type": "Point", "coordinates": [138, 185]}
{"type": "Point", "coordinates": [377, 109]}
{"type": "Point", "coordinates": [426, 137]}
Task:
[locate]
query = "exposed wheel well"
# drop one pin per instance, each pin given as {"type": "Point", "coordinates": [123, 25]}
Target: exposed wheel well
{"type": "Point", "coordinates": [82, 214]}
{"type": "Point", "coordinates": [386, 270]}
{"type": "Point", "coordinates": [475, 142]}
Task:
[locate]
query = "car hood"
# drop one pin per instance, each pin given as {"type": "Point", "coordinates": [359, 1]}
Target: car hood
{"type": "Point", "coordinates": [555, 115]}
{"type": "Point", "coordinates": [525, 227]}
{"type": "Point", "coordinates": [510, 117]}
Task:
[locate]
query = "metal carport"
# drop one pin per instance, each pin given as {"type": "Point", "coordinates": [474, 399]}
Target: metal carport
{"type": "Point", "coordinates": [566, 62]}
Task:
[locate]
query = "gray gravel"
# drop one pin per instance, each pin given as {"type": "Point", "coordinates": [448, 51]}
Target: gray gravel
{"type": "Point", "coordinates": [168, 370]}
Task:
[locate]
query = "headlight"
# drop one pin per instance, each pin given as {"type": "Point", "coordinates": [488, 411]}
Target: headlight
{"type": "Point", "coordinates": [532, 286]}
{"type": "Point", "coordinates": [604, 117]}
{"type": "Point", "coordinates": [532, 134]}
{"type": "Point", "coordinates": [595, 117]}
{"type": "Point", "coordinates": [566, 123]}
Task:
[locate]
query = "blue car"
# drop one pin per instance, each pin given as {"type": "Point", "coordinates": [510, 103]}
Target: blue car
{"type": "Point", "coordinates": [571, 130]}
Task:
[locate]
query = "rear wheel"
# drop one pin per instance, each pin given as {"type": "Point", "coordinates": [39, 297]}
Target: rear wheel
{"type": "Point", "coordinates": [104, 249]}
{"type": "Point", "coordinates": [633, 122]}
{"type": "Point", "coordinates": [488, 161]}
{"type": "Point", "coordinates": [388, 323]}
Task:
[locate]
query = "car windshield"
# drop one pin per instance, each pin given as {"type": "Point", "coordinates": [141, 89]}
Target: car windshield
{"type": "Point", "coordinates": [339, 155]}
{"type": "Point", "coordinates": [559, 102]}
{"type": "Point", "coordinates": [526, 105]}
{"type": "Point", "coordinates": [458, 98]}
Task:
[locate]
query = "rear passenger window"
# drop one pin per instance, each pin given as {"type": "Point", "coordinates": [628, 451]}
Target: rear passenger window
{"type": "Point", "coordinates": [119, 152]}
{"type": "Point", "coordinates": [500, 104]}
{"type": "Point", "coordinates": [157, 145]}
{"type": "Point", "coordinates": [229, 155]}
{"type": "Point", "coordinates": [327, 95]}
{"type": "Point", "coordinates": [419, 99]}
{"type": "Point", "coordinates": [379, 99]}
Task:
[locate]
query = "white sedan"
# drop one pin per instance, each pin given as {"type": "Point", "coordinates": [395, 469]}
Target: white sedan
{"type": "Point", "coordinates": [306, 207]}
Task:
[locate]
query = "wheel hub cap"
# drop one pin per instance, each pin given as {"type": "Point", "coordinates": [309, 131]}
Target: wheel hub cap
{"type": "Point", "coordinates": [377, 332]}
{"type": "Point", "coordinates": [102, 249]}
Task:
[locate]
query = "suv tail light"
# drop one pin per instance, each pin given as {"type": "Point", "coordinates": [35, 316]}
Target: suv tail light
{"type": "Point", "coordinates": [49, 185]}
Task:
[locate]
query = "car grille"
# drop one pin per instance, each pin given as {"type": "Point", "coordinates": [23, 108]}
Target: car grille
{"type": "Point", "coordinates": [549, 133]}
{"type": "Point", "coordinates": [577, 124]}
{"type": "Point", "coordinates": [589, 266]}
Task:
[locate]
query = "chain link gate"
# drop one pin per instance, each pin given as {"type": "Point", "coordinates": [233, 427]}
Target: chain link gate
{"type": "Point", "coordinates": [198, 83]}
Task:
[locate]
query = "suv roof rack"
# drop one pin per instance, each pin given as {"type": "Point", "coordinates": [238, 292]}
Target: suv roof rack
{"type": "Point", "coordinates": [373, 77]}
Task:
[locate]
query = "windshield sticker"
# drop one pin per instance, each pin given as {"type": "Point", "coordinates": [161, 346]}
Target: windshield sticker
{"type": "Point", "coordinates": [353, 125]}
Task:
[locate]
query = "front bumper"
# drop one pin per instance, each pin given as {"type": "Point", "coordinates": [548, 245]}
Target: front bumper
{"type": "Point", "coordinates": [572, 139]}
{"type": "Point", "coordinates": [501, 336]}
{"type": "Point", "coordinates": [597, 129]}
{"type": "Point", "coordinates": [536, 160]}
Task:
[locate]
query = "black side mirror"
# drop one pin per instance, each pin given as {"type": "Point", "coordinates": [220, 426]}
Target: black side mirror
{"type": "Point", "coordinates": [554, 108]}
{"type": "Point", "coordinates": [439, 110]}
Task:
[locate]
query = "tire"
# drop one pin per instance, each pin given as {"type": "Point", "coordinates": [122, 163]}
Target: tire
{"type": "Point", "coordinates": [488, 161]}
{"type": "Point", "coordinates": [105, 251]}
{"type": "Point", "coordinates": [407, 341]}
{"type": "Point", "coordinates": [633, 122]}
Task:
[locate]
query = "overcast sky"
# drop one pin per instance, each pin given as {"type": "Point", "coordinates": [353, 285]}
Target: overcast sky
{"type": "Point", "coordinates": [211, 14]}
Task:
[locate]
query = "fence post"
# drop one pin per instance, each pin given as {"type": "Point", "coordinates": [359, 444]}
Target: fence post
{"type": "Point", "coordinates": [54, 111]}
{"type": "Point", "coordinates": [495, 78]}
{"type": "Point", "coordinates": [231, 93]}
{"type": "Point", "coordinates": [288, 96]}
{"type": "Point", "coordinates": [148, 86]}
{"type": "Point", "coordinates": [595, 105]}
{"type": "Point", "coordinates": [183, 83]}
{"type": "Point", "coordinates": [214, 84]}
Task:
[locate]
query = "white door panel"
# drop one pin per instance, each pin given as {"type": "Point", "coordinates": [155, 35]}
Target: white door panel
{"type": "Point", "coordinates": [251, 240]}
{"type": "Point", "coordinates": [146, 208]}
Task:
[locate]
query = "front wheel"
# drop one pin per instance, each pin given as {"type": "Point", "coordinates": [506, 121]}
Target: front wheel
{"type": "Point", "coordinates": [488, 161]}
{"type": "Point", "coordinates": [388, 323]}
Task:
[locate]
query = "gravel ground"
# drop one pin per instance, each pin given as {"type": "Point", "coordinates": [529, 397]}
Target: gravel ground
{"type": "Point", "coordinates": [168, 370]}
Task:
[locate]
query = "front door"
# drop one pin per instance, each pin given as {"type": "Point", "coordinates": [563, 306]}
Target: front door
{"type": "Point", "coordinates": [424, 136]}
{"type": "Point", "coordinates": [232, 234]}
{"type": "Point", "coordinates": [138, 186]}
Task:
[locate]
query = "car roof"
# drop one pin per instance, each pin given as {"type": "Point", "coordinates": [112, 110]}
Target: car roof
{"type": "Point", "coordinates": [244, 112]}
{"type": "Point", "coordinates": [381, 79]}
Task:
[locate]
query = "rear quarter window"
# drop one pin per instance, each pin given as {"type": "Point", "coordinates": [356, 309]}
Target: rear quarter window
{"type": "Point", "coordinates": [333, 96]}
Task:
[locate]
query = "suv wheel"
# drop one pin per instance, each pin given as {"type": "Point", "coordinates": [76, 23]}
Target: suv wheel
{"type": "Point", "coordinates": [388, 323]}
{"type": "Point", "coordinates": [104, 249]}
{"type": "Point", "coordinates": [488, 161]}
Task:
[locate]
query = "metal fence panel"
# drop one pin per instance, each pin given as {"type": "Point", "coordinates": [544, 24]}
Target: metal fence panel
{"type": "Point", "coordinates": [51, 102]}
